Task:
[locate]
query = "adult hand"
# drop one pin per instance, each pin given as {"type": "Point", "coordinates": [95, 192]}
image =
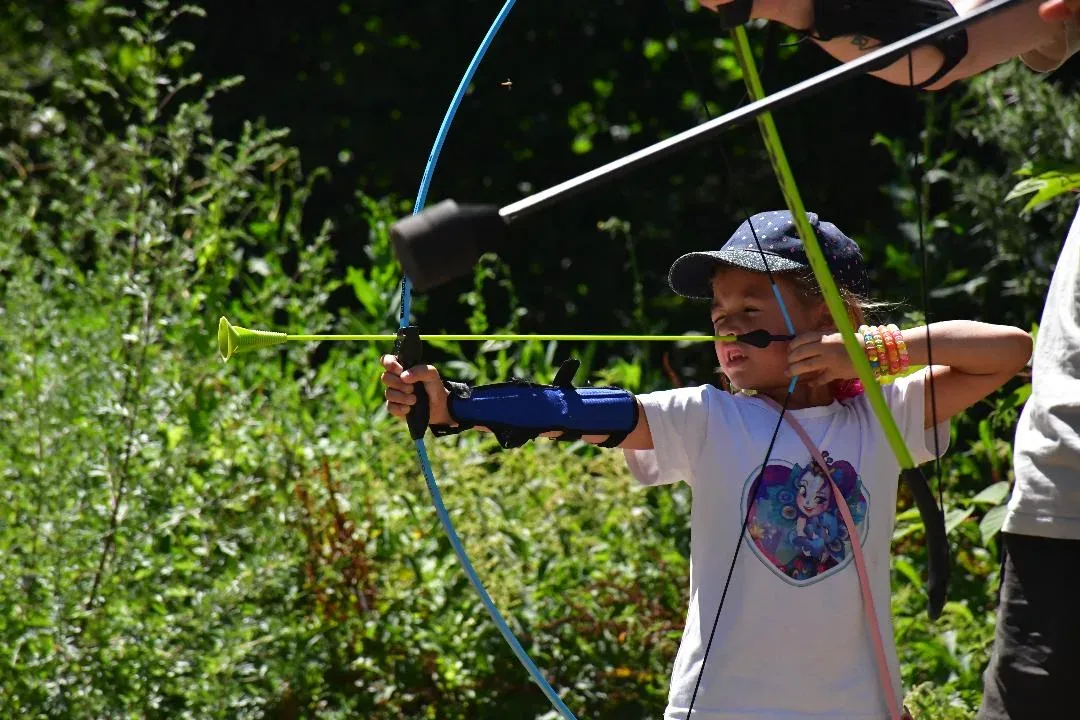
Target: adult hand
{"type": "Point", "coordinates": [1059, 10]}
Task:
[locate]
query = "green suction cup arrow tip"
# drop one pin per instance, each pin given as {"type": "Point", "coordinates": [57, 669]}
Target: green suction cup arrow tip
{"type": "Point", "coordinates": [226, 338]}
{"type": "Point", "coordinates": [233, 339]}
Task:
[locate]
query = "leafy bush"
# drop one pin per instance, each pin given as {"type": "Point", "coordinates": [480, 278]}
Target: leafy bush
{"type": "Point", "coordinates": [183, 538]}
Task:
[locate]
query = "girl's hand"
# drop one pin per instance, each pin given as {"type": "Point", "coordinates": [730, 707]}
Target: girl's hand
{"type": "Point", "coordinates": [401, 393]}
{"type": "Point", "coordinates": [819, 358]}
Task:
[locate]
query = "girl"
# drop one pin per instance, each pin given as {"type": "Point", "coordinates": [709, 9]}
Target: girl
{"type": "Point", "coordinates": [792, 641]}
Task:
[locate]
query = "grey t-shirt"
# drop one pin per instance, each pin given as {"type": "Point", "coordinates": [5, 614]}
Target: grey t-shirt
{"type": "Point", "coordinates": [1046, 498]}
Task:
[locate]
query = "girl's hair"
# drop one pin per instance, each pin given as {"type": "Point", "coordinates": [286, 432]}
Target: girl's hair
{"type": "Point", "coordinates": [859, 309]}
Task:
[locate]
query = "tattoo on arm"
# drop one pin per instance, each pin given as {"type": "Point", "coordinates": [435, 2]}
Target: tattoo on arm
{"type": "Point", "coordinates": [861, 41]}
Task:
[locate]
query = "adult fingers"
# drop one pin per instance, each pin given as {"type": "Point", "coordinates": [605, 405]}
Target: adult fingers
{"type": "Point", "coordinates": [1055, 11]}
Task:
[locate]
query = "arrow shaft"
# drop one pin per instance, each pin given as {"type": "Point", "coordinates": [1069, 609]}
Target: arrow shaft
{"type": "Point", "coordinates": [519, 338]}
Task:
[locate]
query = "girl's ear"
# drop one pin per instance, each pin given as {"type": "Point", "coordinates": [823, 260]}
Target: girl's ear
{"type": "Point", "coordinates": [822, 319]}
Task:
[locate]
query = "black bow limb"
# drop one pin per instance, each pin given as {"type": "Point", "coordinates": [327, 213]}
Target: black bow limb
{"type": "Point", "coordinates": [937, 544]}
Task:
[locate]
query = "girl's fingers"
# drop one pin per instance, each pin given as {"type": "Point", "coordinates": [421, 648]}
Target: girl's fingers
{"type": "Point", "coordinates": [394, 381]}
{"type": "Point", "coordinates": [804, 339]}
{"type": "Point", "coordinates": [391, 364]}
{"type": "Point", "coordinates": [805, 367]}
{"type": "Point", "coordinates": [400, 398]}
{"type": "Point", "coordinates": [397, 410]}
{"type": "Point", "coordinates": [804, 352]}
{"type": "Point", "coordinates": [421, 373]}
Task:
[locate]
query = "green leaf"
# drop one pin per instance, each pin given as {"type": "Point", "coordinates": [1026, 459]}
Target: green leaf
{"type": "Point", "coordinates": [992, 522]}
{"type": "Point", "coordinates": [908, 570]}
{"type": "Point", "coordinates": [955, 517]}
{"type": "Point", "coordinates": [1045, 187]}
{"type": "Point", "coordinates": [993, 495]}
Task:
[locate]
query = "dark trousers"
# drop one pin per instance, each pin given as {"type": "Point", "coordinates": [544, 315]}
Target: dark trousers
{"type": "Point", "coordinates": [1034, 670]}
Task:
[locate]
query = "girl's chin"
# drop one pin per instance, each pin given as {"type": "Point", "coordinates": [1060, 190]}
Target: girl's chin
{"type": "Point", "coordinates": [747, 379]}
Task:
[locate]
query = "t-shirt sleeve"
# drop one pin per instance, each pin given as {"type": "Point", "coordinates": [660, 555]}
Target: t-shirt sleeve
{"type": "Point", "coordinates": [678, 422]}
{"type": "Point", "coordinates": [906, 398]}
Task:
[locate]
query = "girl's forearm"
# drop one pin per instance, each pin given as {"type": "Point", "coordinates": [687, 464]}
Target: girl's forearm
{"type": "Point", "coordinates": [970, 347]}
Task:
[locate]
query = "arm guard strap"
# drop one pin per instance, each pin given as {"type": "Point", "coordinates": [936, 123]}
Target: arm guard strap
{"type": "Point", "coordinates": [519, 411]}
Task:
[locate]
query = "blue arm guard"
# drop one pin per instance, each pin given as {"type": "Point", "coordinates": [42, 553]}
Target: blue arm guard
{"type": "Point", "coordinates": [519, 411]}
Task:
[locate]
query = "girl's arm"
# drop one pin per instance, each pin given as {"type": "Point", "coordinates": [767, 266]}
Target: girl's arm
{"type": "Point", "coordinates": [971, 360]}
{"type": "Point", "coordinates": [401, 396]}
{"type": "Point", "coordinates": [990, 42]}
{"type": "Point", "coordinates": [640, 438]}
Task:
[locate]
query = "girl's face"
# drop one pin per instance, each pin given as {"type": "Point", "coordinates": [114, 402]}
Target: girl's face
{"type": "Point", "coordinates": [744, 301]}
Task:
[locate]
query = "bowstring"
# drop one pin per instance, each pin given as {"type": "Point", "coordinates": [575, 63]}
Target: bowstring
{"type": "Point", "coordinates": [679, 34]}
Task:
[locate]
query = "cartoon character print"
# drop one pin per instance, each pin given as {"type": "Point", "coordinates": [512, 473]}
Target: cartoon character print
{"type": "Point", "coordinates": [796, 525]}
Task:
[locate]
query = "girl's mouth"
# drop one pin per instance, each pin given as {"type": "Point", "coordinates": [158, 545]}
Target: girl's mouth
{"type": "Point", "coordinates": [733, 357]}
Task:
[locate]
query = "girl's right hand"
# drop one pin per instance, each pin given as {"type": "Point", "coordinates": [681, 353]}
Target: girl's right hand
{"type": "Point", "coordinates": [401, 394]}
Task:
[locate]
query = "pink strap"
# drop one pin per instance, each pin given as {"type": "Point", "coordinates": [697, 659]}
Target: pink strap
{"type": "Point", "coordinates": [860, 563]}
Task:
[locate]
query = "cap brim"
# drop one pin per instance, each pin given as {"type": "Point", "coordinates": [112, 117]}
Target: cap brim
{"type": "Point", "coordinates": [691, 275]}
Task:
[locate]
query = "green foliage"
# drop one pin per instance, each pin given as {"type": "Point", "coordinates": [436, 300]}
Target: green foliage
{"type": "Point", "coordinates": [183, 538]}
{"type": "Point", "coordinates": [188, 539]}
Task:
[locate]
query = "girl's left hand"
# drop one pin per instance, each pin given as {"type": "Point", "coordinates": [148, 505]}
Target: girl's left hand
{"type": "Point", "coordinates": [819, 358]}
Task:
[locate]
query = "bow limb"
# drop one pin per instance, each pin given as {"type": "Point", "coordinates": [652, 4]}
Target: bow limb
{"type": "Point", "coordinates": [932, 515]}
{"type": "Point", "coordinates": [421, 449]}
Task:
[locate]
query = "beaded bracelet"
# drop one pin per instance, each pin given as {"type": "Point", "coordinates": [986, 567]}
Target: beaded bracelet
{"type": "Point", "coordinates": [890, 348]}
{"type": "Point", "coordinates": [866, 334]}
{"type": "Point", "coordinates": [885, 349]}
{"type": "Point", "coordinates": [901, 347]}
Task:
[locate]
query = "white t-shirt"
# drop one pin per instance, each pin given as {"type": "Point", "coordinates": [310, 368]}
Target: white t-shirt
{"type": "Point", "coordinates": [792, 641]}
{"type": "Point", "coordinates": [1046, 497]}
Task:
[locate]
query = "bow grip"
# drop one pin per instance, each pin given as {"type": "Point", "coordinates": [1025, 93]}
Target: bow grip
{"type": "Point", "coordinates": [409, 351]}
